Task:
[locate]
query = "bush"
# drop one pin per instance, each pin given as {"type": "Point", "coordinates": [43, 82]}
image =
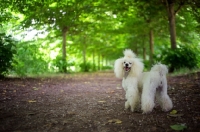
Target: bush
{"type": "Point", "coordinates": [60, 64]}
{"type": "Point", "coordinates": [107, 68]}
{"type": "Point", "coordinates": [186, 56]}
{"type": "Point", "coordinates": [28, 60]}
{"type": "Point", "coordinates": [86, 67]}
{"type": "Point", "coordinates": [7, 50]}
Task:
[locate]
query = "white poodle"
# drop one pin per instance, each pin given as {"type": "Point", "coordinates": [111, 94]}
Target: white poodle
{"type": "Point", "coordinates": [154, 85]}
{"type": "Point", "coordinates": [129, 68]}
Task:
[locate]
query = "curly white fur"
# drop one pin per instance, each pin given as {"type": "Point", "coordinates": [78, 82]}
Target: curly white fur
{"type": "Point", "coordinates": [154, 85]}
{"type": "Point", "coordinates": [129, 68]}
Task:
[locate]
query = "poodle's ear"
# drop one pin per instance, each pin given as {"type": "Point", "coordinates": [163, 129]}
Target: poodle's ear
{"type": "Point", "coordinates": [118, 68]}
{"type": "Point", "coordinates": [137, 67]}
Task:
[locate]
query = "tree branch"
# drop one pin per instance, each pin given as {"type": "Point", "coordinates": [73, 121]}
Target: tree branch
{"type": "Point", "coordinates": [167, 6]}
{"type": "Point", "coordinates": [179, 7]}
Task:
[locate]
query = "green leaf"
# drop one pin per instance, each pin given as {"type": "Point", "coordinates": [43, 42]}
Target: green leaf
{"type": "Point", "coordinates": [175, 115]}
{"type": "Point", "coordinates": [178, 127]}
{"type": "Point", "coordinates": [173, 112]}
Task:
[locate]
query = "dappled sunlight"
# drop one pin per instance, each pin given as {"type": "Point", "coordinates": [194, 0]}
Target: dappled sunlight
{"type": "Point", "coordinates": [87, 36]}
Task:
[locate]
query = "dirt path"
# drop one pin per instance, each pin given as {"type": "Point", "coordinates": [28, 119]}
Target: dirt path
{"type": "Point", "coordinates": [91, 102]}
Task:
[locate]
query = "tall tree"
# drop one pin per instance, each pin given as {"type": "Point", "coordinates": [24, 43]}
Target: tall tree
{"type": "Point", "coordinates": [62, 16]}
{"type": "Point", "coordinates": [149, 12]}
{"type": "Point", "coordinates": [170, 6]}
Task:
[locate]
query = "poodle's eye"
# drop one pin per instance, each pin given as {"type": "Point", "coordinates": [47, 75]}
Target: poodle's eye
{"type": "Point", "coordinates": [124, 62]}
{"type": "Point", "coordinates": [130, 63]}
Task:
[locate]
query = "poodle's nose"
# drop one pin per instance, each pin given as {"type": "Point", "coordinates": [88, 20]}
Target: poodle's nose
{"type": "Point", "coordinates": [126, 64]}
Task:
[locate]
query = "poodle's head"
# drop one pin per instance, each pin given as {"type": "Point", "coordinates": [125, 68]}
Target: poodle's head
{"type": "Point", "coordinates": [129, 65]}
{"type": "Point", "coordinates": [160, 68]}
{"type": "Point", "coordinates": [128, 60]}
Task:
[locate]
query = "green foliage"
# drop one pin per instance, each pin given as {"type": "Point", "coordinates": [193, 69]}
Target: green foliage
{"type": "Point", "coordinates": [178, 127]}
{"type": "Point", "coordinates": [184, 71]}
{"type": "Point", "coordinates": [107, 67]}
{"type": "Point", "coordinates": [147, 65]}
{"type": "Point", "coordinates": [7, 49]}
{"type": "Point", "coordinates": [29, 60]}
{"type": "Point", "coordinates": [94, 30]}
{"type": "Point", "coordinates": [86, 67]}
{"type": "Point", "coordinates": [58, 64]}
{"type": "Point", "coordinates": [187, 56]}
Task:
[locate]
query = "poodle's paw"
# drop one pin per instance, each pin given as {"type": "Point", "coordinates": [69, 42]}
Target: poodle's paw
{"type": "Point", "coordinates": [127, 105]}
{"type": "Point", "coordinates": [147, 107]}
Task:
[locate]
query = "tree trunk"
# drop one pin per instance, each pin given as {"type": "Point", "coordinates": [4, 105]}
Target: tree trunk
{"type": "Point", "coordinates": [172, 25]}
{"type": "Point", "coordinates": [84, 55]}
{"type": "Point", "coordinates": [93, 60]}
{"type": "Point", "coordinates": [151, 42]}
{"type": "Point", "coordinates": [99, 59]}
{"type": "Point", "coordinates": [144, 48]}
{"type": "Point", "coordinates": [136, 48]}
{"type": "Point", "coordinates": [64, 54]}
{"type": "Point", "coordinates": [144, 53]}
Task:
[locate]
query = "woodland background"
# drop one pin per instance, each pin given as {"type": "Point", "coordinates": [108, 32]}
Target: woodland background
{"type": "Point", "coordinates": [50, 36]}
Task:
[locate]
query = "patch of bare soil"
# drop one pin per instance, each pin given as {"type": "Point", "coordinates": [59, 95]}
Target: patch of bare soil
{"type": "Point", "coordinates": [92, 102]}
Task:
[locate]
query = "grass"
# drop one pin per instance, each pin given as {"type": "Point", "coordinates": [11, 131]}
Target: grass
{"type": "Point", "coordinates": [184, 71]}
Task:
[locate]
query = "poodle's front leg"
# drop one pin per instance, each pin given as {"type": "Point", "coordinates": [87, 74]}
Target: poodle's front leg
{"type": "Point", "coordinates": [127, 105]}
{"type": "Point", "coordinates": [132, 97]}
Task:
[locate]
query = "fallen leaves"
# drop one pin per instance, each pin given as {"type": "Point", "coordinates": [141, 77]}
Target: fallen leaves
{"type": "Point", "coordinates": [101, 101]}
{"type": "Point", "coordinates": [32, 101]}
{"type": "Point", "coordinates": [174, 113]}
{"type": "Point", "coordinates": [71, 113]}
{"type": "Point", "coordinates": [31, 113]}
{"type": "Point", "coordinates": [116, 121]}
{"type": "Point", "coordinates": [178, 127]}
{"type": "Point", "coordinates": [35, 88]}
{"type": "Point", "coordinates": [119, 88]}
{"type": "Point", "coordinates": [110, 92]}
{"type": "Point", "coordinates": [4, 91]}
{"type": "Point", "coordinates": [70, 104]}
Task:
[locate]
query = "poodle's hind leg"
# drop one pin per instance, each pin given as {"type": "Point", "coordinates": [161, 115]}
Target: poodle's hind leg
{"type": "Point", "coordinates": [147, 106]}
{"type": "Point", "coordinates": [164, 101]}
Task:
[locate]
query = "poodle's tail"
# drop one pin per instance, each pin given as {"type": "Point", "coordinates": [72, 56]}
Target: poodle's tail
{"type": "Point", "coordinates": [129, 53]}
{"type": "Point", "coordinates": [160, 67]}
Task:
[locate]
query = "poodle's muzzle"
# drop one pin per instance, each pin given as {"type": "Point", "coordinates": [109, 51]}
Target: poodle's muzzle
{"type": "Point", "coordinates": [127, 66]}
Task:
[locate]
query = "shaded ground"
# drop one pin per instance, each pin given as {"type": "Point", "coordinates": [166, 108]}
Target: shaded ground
{"type": "Point", "coordinates": [91, 103]}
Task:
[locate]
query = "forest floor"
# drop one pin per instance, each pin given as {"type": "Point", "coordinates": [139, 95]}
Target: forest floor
{"type": "Point", "coordinates": [92, 102]}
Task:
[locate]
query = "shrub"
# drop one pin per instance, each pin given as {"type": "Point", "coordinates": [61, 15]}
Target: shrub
{"type": "Point", "coordinates": [7, 50]}
{"type": "Point", "coordinates": [60, 64]}
{"type": "Point", "coordinates": [86, 67]}
{"type": "Point", "coordinates": [107, 68]}
{"type": "Point", "coordinates": [28, 60]}
{"type": "Point", "coordinates": [186, 56]}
